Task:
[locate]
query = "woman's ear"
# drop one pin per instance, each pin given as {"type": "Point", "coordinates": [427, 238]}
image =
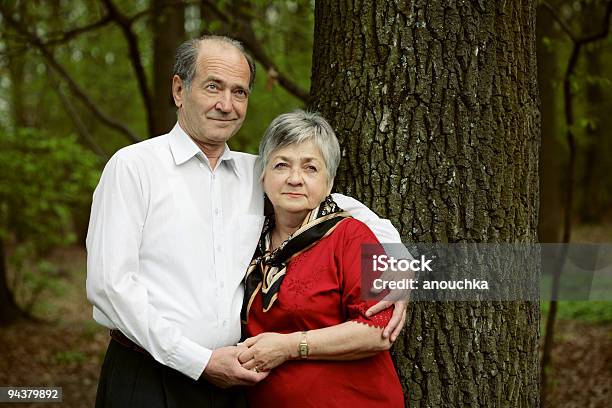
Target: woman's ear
{"type": "Point", "coordinates": [331, 186]}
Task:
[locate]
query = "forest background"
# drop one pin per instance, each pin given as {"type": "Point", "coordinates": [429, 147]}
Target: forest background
{"type": "Point", "coordinates": [81, 79]}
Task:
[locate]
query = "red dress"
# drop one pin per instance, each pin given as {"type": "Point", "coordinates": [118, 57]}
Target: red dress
{"type": "Point", "coordinates": [322, 288]}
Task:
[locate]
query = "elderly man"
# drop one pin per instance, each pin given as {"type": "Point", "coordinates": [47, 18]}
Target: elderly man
{"type": "Point", "coordinates": [174, 223]}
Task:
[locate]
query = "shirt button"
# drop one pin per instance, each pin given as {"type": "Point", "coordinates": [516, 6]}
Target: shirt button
{"type": "Point", "coordinates": [201, 165]}
{"type": "Point", "coordinates": [216, 211]}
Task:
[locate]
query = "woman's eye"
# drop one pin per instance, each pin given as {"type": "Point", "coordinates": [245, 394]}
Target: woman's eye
{"type": "Point", "coordinates": [311, 168]}
{"type": "Point", "coordinates": [280, 165]}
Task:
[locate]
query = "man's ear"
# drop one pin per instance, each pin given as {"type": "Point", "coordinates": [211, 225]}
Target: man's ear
{"type": "Point", "coordinates": [178, 91]}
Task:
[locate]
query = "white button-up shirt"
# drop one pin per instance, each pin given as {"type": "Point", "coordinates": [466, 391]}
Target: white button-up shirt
{"type": "Point", "coordinates": [169, 242]}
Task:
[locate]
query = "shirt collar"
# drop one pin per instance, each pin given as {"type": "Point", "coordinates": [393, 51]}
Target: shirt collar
{"type": "Point", "coordinates": [183, 149]}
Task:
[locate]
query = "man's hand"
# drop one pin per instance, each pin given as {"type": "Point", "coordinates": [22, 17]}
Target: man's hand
{"type": "Point", "coordinates": [396, 324]}
{"type": "Point", "coordinates": [267, 351]}
{"type": "Point", "coordinates": [224, 369]}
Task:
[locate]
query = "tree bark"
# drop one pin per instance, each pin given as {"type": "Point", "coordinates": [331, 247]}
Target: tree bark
{"type": "Point", "coordinates": [435, 104]}
{"type": "Point", "coordinates": [168, 32]}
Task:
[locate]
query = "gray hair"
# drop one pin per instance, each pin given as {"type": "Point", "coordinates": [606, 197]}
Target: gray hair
{"type": "Point", "coordinates": [187, 56]}
{"type": "Point", "coordinates": [297, 127]}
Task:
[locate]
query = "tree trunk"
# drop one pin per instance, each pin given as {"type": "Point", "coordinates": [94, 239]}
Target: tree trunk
{"type": "Point", "coordinates": [435, 104]}
{"type": "Point", "coordinates": [595, 181]}
{"type": "Point", "coordinates": [168, 32]}
{"type": "Point", "coordinates": [9, 311]}
{"type": "Point", "coordinates": [551, 210]}
{"type": "Point", "coordinates": [22, 116]}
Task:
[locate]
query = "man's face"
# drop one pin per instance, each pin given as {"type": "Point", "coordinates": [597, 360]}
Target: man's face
{"type": "Point", "coordinates": [214, 107]}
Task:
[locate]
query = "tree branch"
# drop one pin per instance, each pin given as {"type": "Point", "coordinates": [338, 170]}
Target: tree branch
{"type": "Point", "coordinates": [134, 54]}
{"type": "Point", "coordinates": [605, 30]}
{"type": "Point", "coordinates": [79, 125]}
{"type": "Point", "coordinates": [247, 36]}
{"type": "Point", "coordinates": [70, 34]}
{"type": "Point", "coordinates": [564, 26]}
{"type": "Point", "coordinates": [74, 87]}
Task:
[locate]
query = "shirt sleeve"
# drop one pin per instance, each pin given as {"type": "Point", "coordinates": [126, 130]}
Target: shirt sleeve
{"type": "Point", "coordinates": [357, 237]}
{"type": "Point", "coordinates": [113, 240]}
{"type": "Point", "coordinates": [382, 228]}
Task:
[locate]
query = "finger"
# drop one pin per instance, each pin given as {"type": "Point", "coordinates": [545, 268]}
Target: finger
{"type": "Point", "coordinates": [250, 341]}
{"type": "Point", "coordinates": [247, 355]}
{"type": "Point", "coordinates": [250, 365]}
{"type": "Point", "coordinates": [249, 377]}
{"type": "Point", "coordinates": [399, 327]}
{"type": "Point", "coordinates": [380, 306]}
{"type": "Point", "coordinates": [401, 305]}
{"type": "Point", "coordinates": [395, 320]}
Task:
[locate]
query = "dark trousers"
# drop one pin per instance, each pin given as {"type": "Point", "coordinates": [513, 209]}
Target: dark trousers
{"type": "Point", "coordinates": [132, 379]}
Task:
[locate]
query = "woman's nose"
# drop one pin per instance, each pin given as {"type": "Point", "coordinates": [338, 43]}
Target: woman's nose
{"type": "Point", "coordinates": [295, 177]}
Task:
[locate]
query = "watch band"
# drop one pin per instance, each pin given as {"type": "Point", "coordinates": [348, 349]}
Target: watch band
{"type": "Point", "coordinates": [303, 346]}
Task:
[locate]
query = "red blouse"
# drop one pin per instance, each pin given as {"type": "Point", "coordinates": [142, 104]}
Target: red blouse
{"type": "Point", "coordinates": [322, 288]}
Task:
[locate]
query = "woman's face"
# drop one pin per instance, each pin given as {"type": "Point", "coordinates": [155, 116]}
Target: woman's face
{"type": "Point", "coordinates": [295, 178]}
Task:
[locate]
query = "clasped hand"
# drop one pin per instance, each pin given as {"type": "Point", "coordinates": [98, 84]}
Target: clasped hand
{"type": "Point", "coordinates": [224, 369]}
{"type": "Point", "coordinates": [265, 351]}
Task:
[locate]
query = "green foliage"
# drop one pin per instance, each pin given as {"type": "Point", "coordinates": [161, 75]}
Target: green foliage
{"type": "Point", "coordinates": [595, 312]}
{"type": "Point", "coordinates": [44, 178]}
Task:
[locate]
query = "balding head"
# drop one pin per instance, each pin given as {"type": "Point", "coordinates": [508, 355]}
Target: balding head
{"type": "Point", "coordinates": [187, 56]}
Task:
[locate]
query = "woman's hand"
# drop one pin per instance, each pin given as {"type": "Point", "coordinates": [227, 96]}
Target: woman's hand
{"type": "Point", "coordinates": [267, 351]}
{"type": "Point", "coordinates": [396, 324]}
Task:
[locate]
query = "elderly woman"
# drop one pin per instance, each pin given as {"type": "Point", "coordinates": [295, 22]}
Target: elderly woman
{"type": "Point", "coordinates": [303, 311]}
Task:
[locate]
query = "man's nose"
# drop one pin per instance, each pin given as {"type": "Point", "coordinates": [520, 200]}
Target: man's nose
{"type": "Point", "coordinates": [224, 103]}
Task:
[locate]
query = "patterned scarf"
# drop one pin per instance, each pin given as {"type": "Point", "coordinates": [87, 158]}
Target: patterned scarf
{"type": "Point", "coordinates": [267, 269]}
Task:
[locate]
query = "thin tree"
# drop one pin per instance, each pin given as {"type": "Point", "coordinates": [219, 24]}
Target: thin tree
{"type": "Point", "coordinates": [578, 44]}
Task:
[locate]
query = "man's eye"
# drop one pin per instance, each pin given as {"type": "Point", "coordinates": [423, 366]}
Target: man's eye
{"type": "Point", "coordinates": [241, 93]}
{"type": "Point", "coordinates": [211, 86]}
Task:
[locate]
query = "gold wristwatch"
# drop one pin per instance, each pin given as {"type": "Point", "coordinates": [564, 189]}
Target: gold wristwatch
{"type": "Point", "coordinates": [303, 346]}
